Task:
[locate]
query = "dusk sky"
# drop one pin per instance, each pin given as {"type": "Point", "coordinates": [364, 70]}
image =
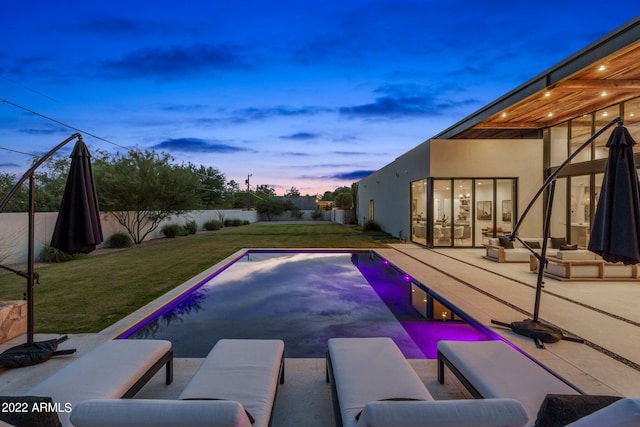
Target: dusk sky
{"type": "Point", "coordinates": [305, 94]}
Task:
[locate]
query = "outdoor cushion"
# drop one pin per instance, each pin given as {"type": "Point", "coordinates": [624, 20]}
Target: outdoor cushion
{"type": "Point", "coordinates": [159, 413]}
{"type": "Point", "coordinates": [370, 369]}
{"type": "Point", "coordinates": [556, 242]}
{"type": "Point", "coordinates": [497, 370]}
{"type": "Point", "coordinates": [242, 370]}
{"type": "Point", "coordinates": [444, 413]}
{"type": "Point", "coordinates": [505, 242]}
{"type": "Point", "coordinates": [558, 410]}
{"type": "Point", "coordinates": [576, 255]}
{"type": "Point", "coordinates": [108, 371]}
{"type": "Point", "coordinates": [623, 413]}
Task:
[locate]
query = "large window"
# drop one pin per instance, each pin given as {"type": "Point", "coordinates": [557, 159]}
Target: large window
{"type": "Point", "coordinates": [467, 212]}
{"type": "Point", "coordinates": [580, 131]}
{"type": "Point", "coordinates": [578, 189]}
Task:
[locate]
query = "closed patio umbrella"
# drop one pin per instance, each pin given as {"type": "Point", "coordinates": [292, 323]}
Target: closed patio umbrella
{"type": "Point", "coordinates": [615, 233]}
{"type": "Point", "coordinates": [78, 227]}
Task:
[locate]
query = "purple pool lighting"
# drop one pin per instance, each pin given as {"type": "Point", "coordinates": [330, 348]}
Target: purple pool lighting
{"type": "Point", "coordinates": [305, 298]}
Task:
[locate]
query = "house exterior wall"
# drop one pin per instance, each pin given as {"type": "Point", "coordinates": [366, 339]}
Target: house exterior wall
{"type": "Point", "coordinates": [499, 158]}
{"type": "Point", "coordinates": [389, 187]}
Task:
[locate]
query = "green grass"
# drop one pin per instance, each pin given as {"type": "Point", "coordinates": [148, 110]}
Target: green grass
{"type": "Point", "coordinates": [87, 295]}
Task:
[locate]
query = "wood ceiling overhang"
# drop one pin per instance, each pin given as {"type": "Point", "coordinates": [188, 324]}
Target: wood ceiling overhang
{"type": "Point", "coordinates": [604, 73]}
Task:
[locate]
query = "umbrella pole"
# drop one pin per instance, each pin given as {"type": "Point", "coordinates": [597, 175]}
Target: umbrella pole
{"type": "Point", "coordinates": [543, 251]}
{"type": "Point", "coordinates": [30, 261]}
{"type": "Point", "coordinates": [533, 328]}
{"type": "Point", "coordinates": [31, 275]}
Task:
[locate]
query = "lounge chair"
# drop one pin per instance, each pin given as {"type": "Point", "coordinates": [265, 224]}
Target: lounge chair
{"type": "Point", "coordinates": [114, 369]}
{"type": "Point", "coordinates": [246, 371]}
{"type": "Point", "coordinates": [235, 385]}
{"type": "Point", "coordinates": [373, 385]}
{"type": "Point", "coordinates": [494, 369]}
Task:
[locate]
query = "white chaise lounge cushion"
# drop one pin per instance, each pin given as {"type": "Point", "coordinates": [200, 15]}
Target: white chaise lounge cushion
{"type": "Point", "coordinates": [444, 413]}
{"type": "Point", "coordinates": [159, 413]}
{"type": "Point", "coordinates": [497, 370]}
{"type": "Point", "coordinates": [623, 413]}
{"type": "Point", "coordinates": [243, 370]}
{"type": "Point", "coordinates": [370, 369]}
{"type": "Point", "coordinates": [107, 371]}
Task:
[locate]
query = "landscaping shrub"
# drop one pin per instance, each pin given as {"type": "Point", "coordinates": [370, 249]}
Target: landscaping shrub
{"type": "Point", "coordinates": [173, 230]}
{"type": "Point", "coordinates": [232, 222]}
{"type": "Point", "coordinates": [191, 227]}
{"type": "Point", "coordinates": [371, 226]}
{"type": "Point", "coordinates": [51, 254]}
{"type": "Point", "coordinates": [246, 222]}
{"type": "Point", "coordinates": [212, 225]}
{"type": "Point", "coordinates": [316, 215]}
{"type": "Point", "coordinates": [119, 240]}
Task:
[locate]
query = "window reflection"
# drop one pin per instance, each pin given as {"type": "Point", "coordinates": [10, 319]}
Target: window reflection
{"type": "Point", "coordinates": [418, 211]}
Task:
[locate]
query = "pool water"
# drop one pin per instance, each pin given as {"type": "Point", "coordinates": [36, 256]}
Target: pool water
{"type": "Point", "coordinates": [303, 298]}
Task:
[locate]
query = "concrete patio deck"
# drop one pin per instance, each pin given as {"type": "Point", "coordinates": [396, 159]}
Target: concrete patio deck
{"type": "Point", "coordinates": [602, 313]}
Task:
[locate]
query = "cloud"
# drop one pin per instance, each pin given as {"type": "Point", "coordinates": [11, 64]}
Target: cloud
{"type": "Point", "coordinates": [197, 145]}
{"type": "Point", "coordinates": [184, 107]}
{"type": "Point", "coordinates": [400, 101]}
{"type": "Point", "coordinates": [353, 175]}
{"type": "Point", "coordinates": [176, 61]}
{"type": "Point", "coordinates": [253, 113]}
{"type": "Point", "coordinates": [49, 130]}
{"type": "Point", "coordinates": [297, 154]}
{"type": "Point", "coordinates": [110, 26]}
{"type": "Point", "coordinates": [301, 136]}
{"type": "Point", "coordinates": [9, 165]}
{"type": "Point", "coordinates": [350, 153]}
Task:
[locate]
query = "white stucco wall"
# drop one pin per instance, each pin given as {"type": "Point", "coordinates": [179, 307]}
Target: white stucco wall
{"type": "Point", "coordinates": [14, 229]}
{"type": "Point", "coordinates": [389, 187]}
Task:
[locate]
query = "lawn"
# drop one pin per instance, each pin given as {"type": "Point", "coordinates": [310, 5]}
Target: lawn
{"type": "Point", "coordinates": [88, 294]}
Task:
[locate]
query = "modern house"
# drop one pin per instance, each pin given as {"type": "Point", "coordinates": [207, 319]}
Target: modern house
{"type": "Point", "coordinates": [472, 180]}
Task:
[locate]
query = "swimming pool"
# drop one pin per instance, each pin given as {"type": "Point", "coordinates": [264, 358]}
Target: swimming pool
{"type": "Point", "coordinates": [305, 298]}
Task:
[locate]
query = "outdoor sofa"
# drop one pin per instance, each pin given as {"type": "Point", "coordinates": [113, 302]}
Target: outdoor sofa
{"type": "Point", "coordinates": [582, 264]}
{"type": "Point", "coordinates": [235, 386]}
{"type": "Point", "coordinates": [373, 385]}
{"type": "Point", "coordinates": [500, 249]}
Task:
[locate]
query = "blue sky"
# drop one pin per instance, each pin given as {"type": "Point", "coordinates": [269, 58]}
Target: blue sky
{"type": "Point", "coordinates": [312, 95]}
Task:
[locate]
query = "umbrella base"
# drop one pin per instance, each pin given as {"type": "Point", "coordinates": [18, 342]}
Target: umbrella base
{"type": "Point", "coordinates": [538, 332]}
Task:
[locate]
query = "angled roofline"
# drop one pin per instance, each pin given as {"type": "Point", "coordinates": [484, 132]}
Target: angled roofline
{"type": "Point", "coordinates": [617, 39]}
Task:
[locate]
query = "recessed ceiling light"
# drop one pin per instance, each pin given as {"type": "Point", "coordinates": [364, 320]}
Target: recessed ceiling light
{"type": "Point", "coordinates": [605, 114]}
{"type": "Point", "coordinates": [547, 93]}
{"type": "Point", "coordinates": [604, 93]}
{"type": "Point", "coordinates": [631, 114]}
{"type": "Point", "coordinates": [550, 115]}
{"type": "Point", "coordinates": [503, 115]}
{"type": "Point", "coordinates": [602, 68]}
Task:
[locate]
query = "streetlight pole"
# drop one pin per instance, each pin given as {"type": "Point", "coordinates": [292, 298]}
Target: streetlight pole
{"type": "Point", "coordinates": [248, 192]}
